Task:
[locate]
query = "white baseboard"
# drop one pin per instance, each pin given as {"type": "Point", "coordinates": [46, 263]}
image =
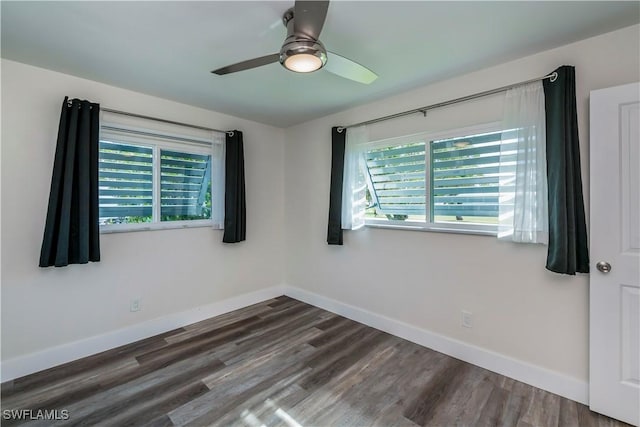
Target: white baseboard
{"type": "Point", "coordinates": [34, 362]}
{"type": "Point", "coordinates": [543, 378]}
{"type": "Point", "coordinates": [536, 376]}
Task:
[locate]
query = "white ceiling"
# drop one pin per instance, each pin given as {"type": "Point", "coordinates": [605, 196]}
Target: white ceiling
{"type": "Point", "coordinates": [168, 49]}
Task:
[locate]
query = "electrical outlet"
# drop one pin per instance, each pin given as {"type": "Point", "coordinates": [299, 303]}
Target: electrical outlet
{"type": "Point", "coordinates": [467, 319]}
{"type": "Point", "coordinates": [136, 304]}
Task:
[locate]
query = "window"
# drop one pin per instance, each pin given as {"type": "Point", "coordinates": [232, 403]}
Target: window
{"type": "Point", "coordinates": [156, 179]}
{"type": "Point", "coordinates": [397, 182]}
{"type": "Point", "coordinates": [449, 182]}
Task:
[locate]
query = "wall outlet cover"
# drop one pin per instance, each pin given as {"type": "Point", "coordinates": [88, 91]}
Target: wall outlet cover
{"type": "Point", "coordinates": [467, 319]}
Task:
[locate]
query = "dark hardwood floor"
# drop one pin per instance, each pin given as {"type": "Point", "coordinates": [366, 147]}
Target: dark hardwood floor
{"type": "Point", "coordinates": [283, 363]}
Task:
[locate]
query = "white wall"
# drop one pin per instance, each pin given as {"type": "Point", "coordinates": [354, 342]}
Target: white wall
{"type": "Point", "coordinates": [425, 279]}
{"type": "Point", "coordinates": [172, 270]}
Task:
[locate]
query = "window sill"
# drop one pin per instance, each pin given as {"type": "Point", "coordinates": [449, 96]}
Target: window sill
{"type": "Point", "coordinates": [131, 228]}
{"type": "Point", "coordinates": [437, 228]}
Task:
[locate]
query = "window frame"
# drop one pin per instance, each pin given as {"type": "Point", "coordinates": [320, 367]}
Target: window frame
{"type": "Point", "coordinates": [428, 225]}
{"type": "Point", "coordinates": [158, 141]}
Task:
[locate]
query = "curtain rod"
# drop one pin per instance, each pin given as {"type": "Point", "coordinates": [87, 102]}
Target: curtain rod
{"type": "Point", "coordinates": [171, 122]}
{"type": "Point", "coordinates": [553, 76]}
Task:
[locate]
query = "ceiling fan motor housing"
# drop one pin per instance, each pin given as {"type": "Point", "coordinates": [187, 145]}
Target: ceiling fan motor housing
{"type": "Point", "coordinates": [300, 44]}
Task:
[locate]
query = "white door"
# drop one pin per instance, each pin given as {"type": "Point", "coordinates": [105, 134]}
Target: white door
{"type": "Point", "coordinates": [614, 383]}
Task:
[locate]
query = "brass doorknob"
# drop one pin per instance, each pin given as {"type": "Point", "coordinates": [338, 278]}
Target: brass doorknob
{"type": "Point", "coordinates": [603, 267]}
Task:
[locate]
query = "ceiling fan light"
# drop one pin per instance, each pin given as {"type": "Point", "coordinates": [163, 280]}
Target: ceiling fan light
{"type": "Point", "coordinates": [302, 55]}
{"type": "Point", "coordinates": [303, 63]}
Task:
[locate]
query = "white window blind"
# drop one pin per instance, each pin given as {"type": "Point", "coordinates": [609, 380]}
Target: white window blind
{"type": "Point", "coordinates": [397, 180]}
{"type": "Point", "coordinates": [125, 181]}
{"type": "Point", "coordinates": [465, 179]}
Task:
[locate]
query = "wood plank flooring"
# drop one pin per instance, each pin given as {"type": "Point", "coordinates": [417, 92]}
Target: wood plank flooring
{"type": "Point", "coordinates": [282, 363]}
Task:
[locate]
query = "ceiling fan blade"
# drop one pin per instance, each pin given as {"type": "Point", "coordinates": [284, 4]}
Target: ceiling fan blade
{"type": "Point", "coordinates": [309, 16]}
{"type": "Point", "coordinates": [343, 67]}
{"type": "Point", "coordinates": [247, 65]}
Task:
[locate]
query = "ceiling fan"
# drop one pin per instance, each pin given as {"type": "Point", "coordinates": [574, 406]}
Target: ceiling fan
{"type": "Point", "coordinates": [302, 51]}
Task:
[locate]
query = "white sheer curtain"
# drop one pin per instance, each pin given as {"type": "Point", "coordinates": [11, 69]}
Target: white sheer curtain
{"type": "Point", "coordinates": [217, 179]}
{"type": "Point", "coordinates": [523, 167]}
{"type": "Point", "coordinates": [354, 185]}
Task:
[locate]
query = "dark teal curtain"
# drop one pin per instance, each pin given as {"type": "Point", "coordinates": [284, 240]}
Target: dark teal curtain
{"type": "Point", "coordinates": [568, 252]}
{"type": "Point", "coordinates": [334, 231]}
{"type": "Point", "coordinates": [71, 232]}
{"type": "Point", "coordinates": [235, 205]}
